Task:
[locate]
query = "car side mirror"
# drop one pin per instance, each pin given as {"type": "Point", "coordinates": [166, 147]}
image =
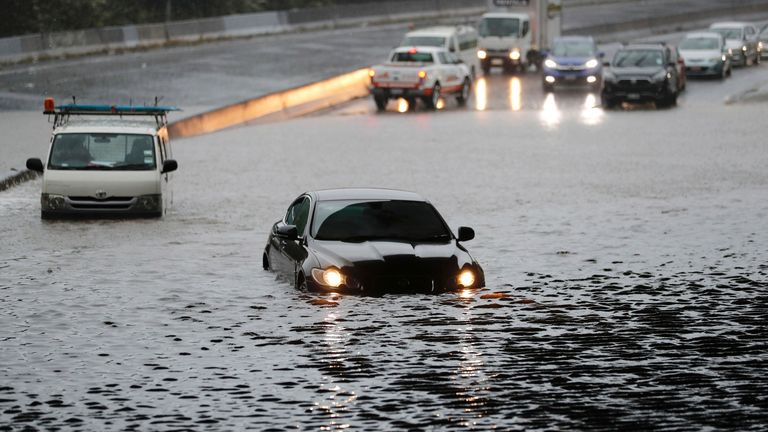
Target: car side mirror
{"type": "Point", "coordinates": [466, 234]}
{"type": "Point", "coordinates": [606, 63]}
{"type": "Point", "coordinates": [287, 232]}
{"type": "Point", "coordinates": [169, 165]}
{"type": "Point", "coordinates": [35, 164]}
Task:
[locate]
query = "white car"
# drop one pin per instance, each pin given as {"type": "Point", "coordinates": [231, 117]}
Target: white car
{"type": "Point", "coordinates": [106, 160]}
{"type": "Point", "coordinates": [420, 72]}
{"type": "Point", "coordinates": [741, 40]}
{"type": "Point", "coordinates": [705, 54]}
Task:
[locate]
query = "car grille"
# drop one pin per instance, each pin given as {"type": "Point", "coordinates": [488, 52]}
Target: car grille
{"type": "Point", "coordinates": [111, 203]}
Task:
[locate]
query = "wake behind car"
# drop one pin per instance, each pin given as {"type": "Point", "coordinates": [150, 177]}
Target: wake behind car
{"type": "Point", "coordinates": [573, 60]}
{"type": "Point", "coordinates": [641, 73]}
{"type": "Point", "coordinates": [705, 54]}
{"type": "Point", "coordinates": [742, 41]}
{"type": "Point", "coordinates": [420, 72]}
{"type": "Point", "coordinates": [370, 241]}
{"type": "Point", "coordinates": [106, 160]}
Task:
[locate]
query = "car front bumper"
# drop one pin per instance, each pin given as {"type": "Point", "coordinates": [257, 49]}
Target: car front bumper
{"type": "Point", "coordinates": [705, 69]}
{"type": "Point", "coordinates": [634, 91]}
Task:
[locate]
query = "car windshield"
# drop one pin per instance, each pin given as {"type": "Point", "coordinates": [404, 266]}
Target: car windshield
{"type": "Point", "coordinates": [408, 56]}
{"type": "Point", "coordinates": [573, 49]}
{"type": "Point", "coordinates": [102, 151]}
{"type": "Point", "coordinates": [499, 27]}
{"type": "Point", "coordinates": [699, 43]}
{"type": "Point", "coordinates": [356, 221]}
{"type": "Point", "coordinates": [729, 33]}
{"type": "Point", "coordinates": [638, 58]}
{"type": "Point", "coordinates": [435, 41]}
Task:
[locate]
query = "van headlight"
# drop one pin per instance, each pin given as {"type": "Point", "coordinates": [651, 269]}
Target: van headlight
{"type": "Point", "coordinates": [149, 202]}
{"type": "Point", "coordinates": [330, 277]}
{"type": "Point", "coordinates": [514, 54]}
{"type": "Point", "coordinates": [482, 54]}
{"type": "Point", "coordinates": [52, 201]}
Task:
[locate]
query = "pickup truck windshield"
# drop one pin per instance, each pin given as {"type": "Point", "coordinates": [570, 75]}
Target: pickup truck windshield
{"type": "Point", "coordinates": [412, 57]}
{"type": "Point", "coordinates": [357, 221]}
{"type": "Point", "coordinates": [102, 151]}
{"type": "Point", "coordinates": [434, 41]}
{"type": "Point", "coordinates": [500, 27]}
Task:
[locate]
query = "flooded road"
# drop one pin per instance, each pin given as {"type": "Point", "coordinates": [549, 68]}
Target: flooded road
{"type": "Point", "coordinates": [624, 254]}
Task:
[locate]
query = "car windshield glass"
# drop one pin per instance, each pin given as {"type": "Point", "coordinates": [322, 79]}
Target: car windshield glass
{"type": "Point", "coordinates": [702, 43]}
{"type": "Point", "coordinates": [499, 27]}
{"type": "Point", "coordinates": [355, 220]}
{"type": "Point", "coordinates": [102, 151]}
{"type": "Point", "coordinates": [638, 58]}
{"type": "Point", "coordinates": [729, 33]}
{"type": "Point", "coordinates": [417, 57]}
{"type": "Point", "coordinates": [424, 41]}
{"type": "Point", "coordinates": [573, 49]}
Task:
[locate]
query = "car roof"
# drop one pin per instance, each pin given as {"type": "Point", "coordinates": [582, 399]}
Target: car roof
{"type": "Point", "coordinates": [644, 46]}
{"type": "Point", "coordinates": [574, 38]}
{"type": "Point", "coordinates": [108, 124]}
{"type": "Point", "coordinates": [704, 35]}
{"type": "Point", "coordinates": [365, 194]}
{"type": "Point", "coordinates": [727, 24]}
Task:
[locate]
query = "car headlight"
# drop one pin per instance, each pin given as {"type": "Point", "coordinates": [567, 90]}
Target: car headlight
{"type": "Point", "coordinates": [730, 51]}
{"type": "Point", "coordinates": [760, 46]}
{"type": "Point", "coordinates": [661, 75]}
{"type": "Point", "coordinates": [722, 58]}
{"type": "Point", "coordinates": [550, 63]}
{"type": "Point", "coordinates": [591, 63]}
{"type": "Point", "coordinates": [52, 201]}
{"type": "Point", "coordinates": [330, 277]}
{"type": "Point", "coordinates": [744, 48]}
{"type": "Point", "coordinates": [482, 54]}
{"type": "Point", "coordinates": [514, 54]}
{"type": "Point", "coordinates": [466, 278]}
{"type": "Point", "coordinates": [608, 76]}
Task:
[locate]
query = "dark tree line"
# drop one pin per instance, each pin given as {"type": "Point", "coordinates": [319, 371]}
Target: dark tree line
{"type": "Point", "coordinates": [19, 17]}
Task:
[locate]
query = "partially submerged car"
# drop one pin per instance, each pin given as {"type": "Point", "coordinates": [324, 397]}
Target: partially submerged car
{"type": "Point", "coordinates": [370, 241]}
{"type": "Point", "coordinates": [106, 160]}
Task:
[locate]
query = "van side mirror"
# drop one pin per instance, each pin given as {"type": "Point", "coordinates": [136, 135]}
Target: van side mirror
{"type": "Point", "coordinates": [465, 234]}
{"type": "Point", "coordinates": [169, 165]}
{"type": "Point", "coordinates": [287, 232]}
{"type": "Point", "coordinates": [35, 164]}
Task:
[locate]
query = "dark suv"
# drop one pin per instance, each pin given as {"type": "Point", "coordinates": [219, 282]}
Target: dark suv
{"type": "Point", "coordinates": [641, 72]}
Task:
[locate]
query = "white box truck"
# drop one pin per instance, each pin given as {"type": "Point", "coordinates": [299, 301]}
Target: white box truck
{"type": "Point", "coordinates": [514, 33]}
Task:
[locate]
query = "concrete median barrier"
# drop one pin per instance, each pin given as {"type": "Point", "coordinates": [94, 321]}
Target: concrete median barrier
{"type": "Point", "coordinates": [296, 101]}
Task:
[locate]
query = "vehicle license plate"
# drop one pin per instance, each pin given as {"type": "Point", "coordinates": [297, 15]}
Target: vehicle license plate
{"type": "Point", "coordinates": [497, 61]}
{"type": "Point", "coordinates": [695, 68]}
{"type": "Point", "coordinates": [633, 96]}
{"type": "Point", "coordinates": [396, 91]}
{"type": "Point", "coordinates": [570, 78]}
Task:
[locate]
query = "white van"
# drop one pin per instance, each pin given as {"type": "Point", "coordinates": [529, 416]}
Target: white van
{"type": "Point", "coordinates": [106, 160]}
{"type": "Point", "coordinates": [460, 40]}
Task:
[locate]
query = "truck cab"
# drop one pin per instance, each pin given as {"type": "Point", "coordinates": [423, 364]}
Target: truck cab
{"type": "Point", "coordinates": [106, 160]}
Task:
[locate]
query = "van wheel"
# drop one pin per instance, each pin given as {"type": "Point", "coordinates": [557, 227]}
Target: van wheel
{"type": "Point", "coordinates": [466, 89]}
{"type": "Point", "coordinates": [381, 102]}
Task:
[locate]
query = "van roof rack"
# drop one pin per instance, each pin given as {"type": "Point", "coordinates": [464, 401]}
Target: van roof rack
{"type": "Point", "coordinates": [61, 113]}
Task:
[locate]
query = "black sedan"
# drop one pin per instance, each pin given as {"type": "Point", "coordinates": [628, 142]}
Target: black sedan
{"type": "Point", "coordinates": [370, 241]}
{"type": "Point", "coordinates": [642, 72]}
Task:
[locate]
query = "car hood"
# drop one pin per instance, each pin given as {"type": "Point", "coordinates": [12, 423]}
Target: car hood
{"type": "Point", "coordinates": [689, 55]}
{"type": "Point", "coordinates": [354, 253]}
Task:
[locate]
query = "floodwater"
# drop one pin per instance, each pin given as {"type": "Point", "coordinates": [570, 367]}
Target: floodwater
{"type": "Point", "coordinates": [624, 254]}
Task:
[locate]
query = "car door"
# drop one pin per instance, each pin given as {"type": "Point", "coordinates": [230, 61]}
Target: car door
{"type": "Point", "coordinates": [287, 255]}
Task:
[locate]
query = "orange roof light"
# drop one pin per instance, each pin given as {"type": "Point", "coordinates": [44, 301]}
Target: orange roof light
{"type": "Point", "coordinates": [48, 105]}
{"type": "Point", "coordinates": [371, 73]}
{"type": "Point", "coordinates": [412, 50]}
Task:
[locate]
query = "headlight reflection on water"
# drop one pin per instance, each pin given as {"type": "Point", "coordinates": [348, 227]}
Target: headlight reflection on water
{"type": "Point", "coordinates": [550, 114]}
{"type": "Point", "coordinates": [402, 105]}
{"type": "Point", "coordinates": [591, 114]}
{"type": "Point", "coordinates": [481, 94]}
{"type": "Point", "coordinates": [515, 94]}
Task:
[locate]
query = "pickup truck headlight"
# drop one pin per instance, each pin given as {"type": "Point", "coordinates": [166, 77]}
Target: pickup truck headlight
{"type": "Point", "coordinates": [550, 63]}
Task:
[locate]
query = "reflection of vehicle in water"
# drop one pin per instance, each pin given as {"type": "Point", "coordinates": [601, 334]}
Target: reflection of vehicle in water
{"type": "Point", "coordinates": [106, 160]}
{"type": "Point", "coordinates": [641, 72]}
{"type": "Point", "coordinates": [460, 40]}
{"type": "Point", "coordinates": [705, 54]}
{"type": "Point", "coordinates": [514, 33]}
{"type": "Point", "coordinates": [741, 40]}
{"type": "Point", "coordinates": [370, 241]}
{"type": "Point", "coordinates": [573, 60]}
{"type": "Point", "coordinates": [423, 72]}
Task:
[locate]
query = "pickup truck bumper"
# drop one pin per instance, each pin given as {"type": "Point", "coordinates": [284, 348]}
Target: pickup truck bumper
{"type": "Point", "coordinates": [391, 92]}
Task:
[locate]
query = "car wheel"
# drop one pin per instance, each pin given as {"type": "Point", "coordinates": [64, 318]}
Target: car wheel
{"type": "Point", "coordinates": [466, 89]}
{"type": "Point", "coordinates": [301, 284]}
{"type": "Point", "coordinates": [486, 66]}
{"type": "Point", "coordinates": [381, 102]}
{"type": "Point", "coordinates": [265, 262]}
{"type": "Point", "coordinates": [432, 100]}
{"type": "Point", "coordinates": [607, 102]}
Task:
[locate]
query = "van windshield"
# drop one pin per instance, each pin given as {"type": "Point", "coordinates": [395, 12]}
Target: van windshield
{"type": "Point", "coordinates": [435, 41]}
{"type": "Point", "coordinates": [102, 151]}
{"type": "Point", "coordinates": [500, 27]}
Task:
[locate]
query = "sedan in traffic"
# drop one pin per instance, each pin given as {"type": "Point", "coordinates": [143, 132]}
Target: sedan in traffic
{"type": "Point", "coordinates": [742, 42]}
{"type": "Point", "coordinates": [705, 54]}
{"type": "Point", "coordinates": [370, 241]}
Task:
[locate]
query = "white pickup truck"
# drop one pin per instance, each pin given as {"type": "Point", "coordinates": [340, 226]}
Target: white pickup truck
{"type": "Point", "coordinates": [424, 72]}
